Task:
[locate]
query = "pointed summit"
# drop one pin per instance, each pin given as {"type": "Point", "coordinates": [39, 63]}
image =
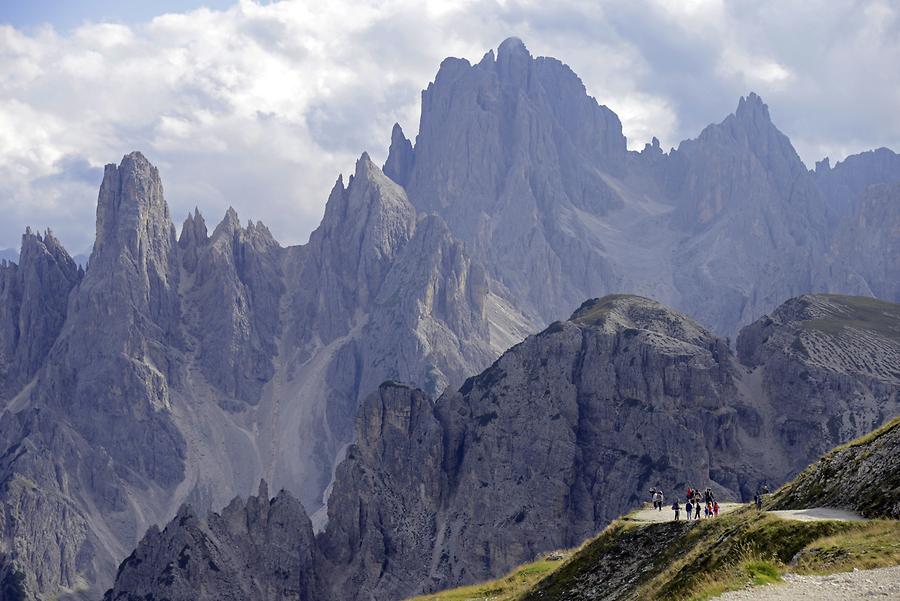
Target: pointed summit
{"type": "Point", "coordinates": [753, 109]}
{"type": "Point", "coordinates": [512, 46]}
{"type": "Point", "coordinates": [132, 214]}
{"type": "Point", "coordinates": [513, 60]}
{"type": "Point", "coordinates": [193, 236]}
{"type": "Point", "coordinates": [400, 159]}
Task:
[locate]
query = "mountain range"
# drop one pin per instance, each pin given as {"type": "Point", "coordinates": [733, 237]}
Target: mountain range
{"type": "Point", "coordinates": [563, 433]}
{"type": "Point", "coordinates": [177, 371]}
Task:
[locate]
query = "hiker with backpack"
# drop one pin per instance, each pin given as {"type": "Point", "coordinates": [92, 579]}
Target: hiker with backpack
{"type": "Point", "coordinates": [676, 508]}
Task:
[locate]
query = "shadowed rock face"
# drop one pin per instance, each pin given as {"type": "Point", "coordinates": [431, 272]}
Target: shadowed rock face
{"type": "Point", "coordinates": [570, 428]}
{"type": "Point", "coordinates": [867, 244]}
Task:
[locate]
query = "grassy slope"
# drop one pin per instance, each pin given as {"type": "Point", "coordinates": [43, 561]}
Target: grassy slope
{"type": "Point", "coordinates": [862, 313]}
{"type": "Point", "coordinates": [508, 588]}
{"type": "Point", "coordinates": [698, 560]}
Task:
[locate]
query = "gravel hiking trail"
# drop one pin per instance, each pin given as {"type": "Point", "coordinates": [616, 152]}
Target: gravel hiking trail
{"type": "Point", "coordinates": [881, 583]}
{"type": "Point", "coordinates": [817, 514]}
{"type": "Point", "coordinates": [813, 514]}
{"type": "Point", "coordinates": [650, 515]}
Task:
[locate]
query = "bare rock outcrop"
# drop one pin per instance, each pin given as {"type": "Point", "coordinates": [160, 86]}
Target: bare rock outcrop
{"type": "Point", "coordinates": [33, 296]}
{"type": "Point", "coordinates": [826, 367]}
{"type": "Point", "coordinates": [260, 548]}
{"type": "Point", "coordinates": [862, 476]}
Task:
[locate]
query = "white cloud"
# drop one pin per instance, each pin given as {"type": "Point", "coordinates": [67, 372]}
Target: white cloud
{"type": "Point", "coordinates": [262, 105]}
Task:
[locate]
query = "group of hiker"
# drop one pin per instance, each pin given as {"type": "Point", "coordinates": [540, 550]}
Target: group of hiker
{"type": "Point", "coordinates": [696, 502]}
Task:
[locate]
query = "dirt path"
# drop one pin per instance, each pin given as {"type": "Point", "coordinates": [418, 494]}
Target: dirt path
{"type": "Point", "coordinates": [817, 514]}
{"type": "Point", "coordinates": [883, 583]}
{"type": "Point", "coordinates": [649, 515]}
{"type": "Point", "coordinates": [667, 515]}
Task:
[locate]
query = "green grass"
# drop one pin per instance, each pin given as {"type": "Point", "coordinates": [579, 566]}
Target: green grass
{"type": "Point", "coordinates": [749, 571]}
{"type": "Point", "coordinates": [876, 544]}
{"type": "Point", "coordinates": [508, 588]}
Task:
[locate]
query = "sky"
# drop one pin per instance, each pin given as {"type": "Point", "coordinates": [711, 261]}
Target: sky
{"type": "Point", "coordinates": [261, 105]}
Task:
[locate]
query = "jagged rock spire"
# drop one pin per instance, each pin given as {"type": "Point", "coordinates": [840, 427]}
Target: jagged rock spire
{"type": "Point", "coordinates": [401, 157]}
{"type": "Point", "coordinates": [752, 108]}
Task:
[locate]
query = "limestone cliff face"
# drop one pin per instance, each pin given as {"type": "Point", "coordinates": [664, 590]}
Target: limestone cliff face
{"type": "Point", "coordinates": [509, 152]}
{"type": "Point", "coordinates": [186, 370]}
{"type": "Point", "coordinates": [94, 433]}
{"type": "Point", "coordinates": [864, 255]}
{"type": "Point", "coordinates": [232, 303]}
{"type": "Point", "coordinates": [571, 427]}
{"type": "Point", "coordinates": [844, 184]}
{"type": "Point", "coordinates": [33, 296]}
{"type": "Point", "coordinates": [757, 230]}
{"type": "Point", "coordinates": [533, 174]}
{"type": "Point", "coordinates": [380, 292]}
{"type": "Point", "coordinates": [258, 549]}
{"type": "Point", "coordinates": [826, 366]}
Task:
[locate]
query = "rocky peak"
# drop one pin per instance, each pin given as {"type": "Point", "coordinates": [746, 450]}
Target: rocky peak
{"type": "Point", "coordinates": [401, 157]}
{"type": "Point", "coordinates": [193, 231]}
{"type": "Point", "coordinates": [752, 109]}
{"type": "Point", "coordinates": [229, 225]}
{"type": "Point", "coordinates": [132, 215]}
{"type": "Point", "coordinates": [365, 225]}
{"type": "Point", "coordinates": [513, 61]}
{"type": "Point", "coordinates": [652, 147]}
{"type": "Point", "coordinates": [848, 334]}
{"type": "Point", "coordinates": [233, 305]}
{"type": "Point", "coordinates": [845, 184]}
{"type": "Point", "coordinates": [135, 254]}
{"type": "Point", "coordinates": [34, 297]}
{"type": "Point", "coordinates": [193, 237]}
{"type": "Point", "coordinates": [618, 312]}
{"type": "Point", "coordinates": [259, 549]}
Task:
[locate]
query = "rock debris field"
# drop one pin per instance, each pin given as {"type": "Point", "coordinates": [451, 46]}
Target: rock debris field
{"type": "Point", "coordinates": [882, 583]}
